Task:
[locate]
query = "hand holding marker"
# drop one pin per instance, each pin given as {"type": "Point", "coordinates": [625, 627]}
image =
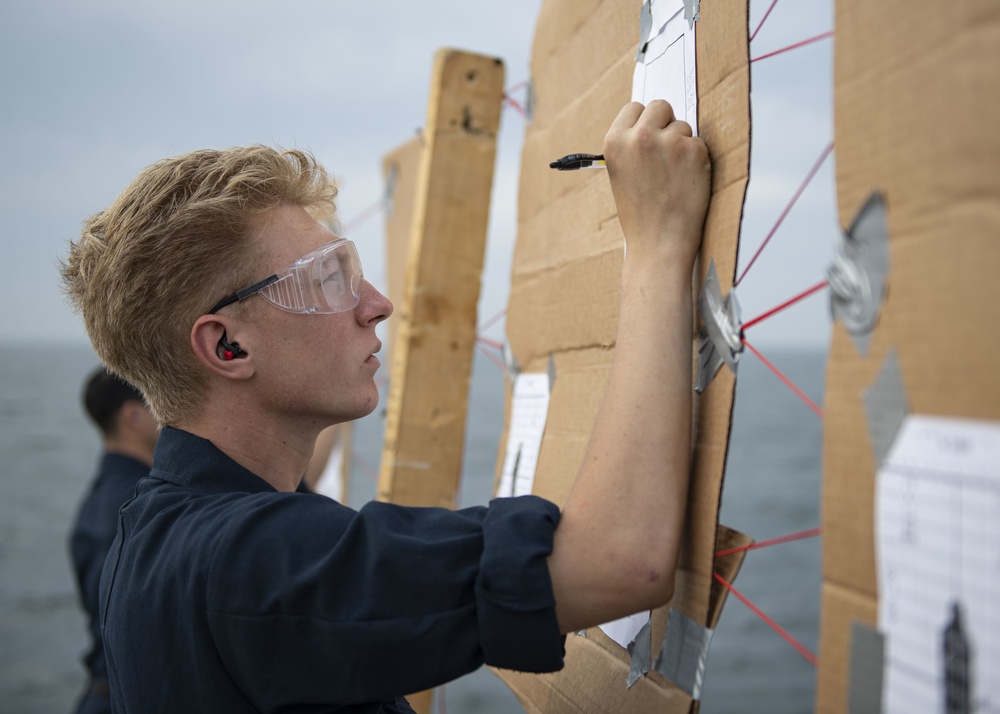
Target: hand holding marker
{"type": "Point", "coordinates": [579, 161]}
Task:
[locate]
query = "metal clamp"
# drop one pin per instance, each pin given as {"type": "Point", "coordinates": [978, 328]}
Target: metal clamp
{"type": "Point", "coordinates": [721, 337]}
{"type": "Point", "coordinates": [857, 274]}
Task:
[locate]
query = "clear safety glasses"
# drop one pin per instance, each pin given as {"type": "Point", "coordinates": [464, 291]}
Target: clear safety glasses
{"type": "Point", "coordinates": [325, 280]}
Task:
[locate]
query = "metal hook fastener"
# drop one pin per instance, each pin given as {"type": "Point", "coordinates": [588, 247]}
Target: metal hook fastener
{"type": "Point", "coordinates": [721, 337]}
{"type": "Point", "coordinates": [857, 273]}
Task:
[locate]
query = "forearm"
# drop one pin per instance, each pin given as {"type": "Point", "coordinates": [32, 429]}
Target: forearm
{"type": "Point", "coordinates": [616, 547]}
{"type": "Point", "coordinates": [620, 531]}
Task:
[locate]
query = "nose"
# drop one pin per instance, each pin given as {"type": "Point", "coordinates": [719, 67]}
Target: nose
{"type": "Point", "coordinates": [373, 307]}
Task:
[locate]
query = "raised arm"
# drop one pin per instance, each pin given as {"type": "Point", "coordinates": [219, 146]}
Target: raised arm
{"type": "Point", "coordinates": [617, 543]}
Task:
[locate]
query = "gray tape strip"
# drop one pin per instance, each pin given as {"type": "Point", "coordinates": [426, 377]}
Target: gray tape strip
{"type": "Point", "coordinates": [865, 677]}
{"type": "Point", "coordinates": [552, 372]}
{"type": "Point", "coordinates": [530, 100]}
{"type": "Point", "coordinates": [720, 341]}
{"type": "Point", "coordinates": [389, 197]}
{"type": "Point", "coordinates": [684, 653]}
{"type": "Point", "coordinates": [511, 363]}
{"type": "Point", "coordinates": [645, 25]}
{"type": "Point", "coordinates": [692, 11]}
{"type": "Point", "coordinates": [857, 274]}
{"type": "Point", "coordinates": [640, 652]}
{"type": "Point", "coordinates": [886, 406]}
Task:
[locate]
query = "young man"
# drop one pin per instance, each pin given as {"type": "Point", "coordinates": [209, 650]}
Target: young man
{"type": "Point", "coordinates": [249, 328]}
{"type": "Point", "coordinates": [129, 435]}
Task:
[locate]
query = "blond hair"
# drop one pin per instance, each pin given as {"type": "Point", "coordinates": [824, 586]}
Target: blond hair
{"type": "Point", "coordinates": [175, 241]}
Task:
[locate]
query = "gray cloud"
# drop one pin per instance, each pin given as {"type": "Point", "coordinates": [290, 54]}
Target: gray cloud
{"type": "Point", "coordinates": [95, 91]}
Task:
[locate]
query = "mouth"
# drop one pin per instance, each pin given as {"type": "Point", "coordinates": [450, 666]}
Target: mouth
{"type": "Point", "coordinates": [372, 359]}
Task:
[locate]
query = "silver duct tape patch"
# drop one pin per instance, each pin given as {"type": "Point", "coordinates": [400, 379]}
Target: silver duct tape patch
{"type": "Point", "coordinates": [645, 26]}
{"type": "Point", "coordinates": [857, 274]}
{"type": "Point", "coordinates": [865, 678]}
{"type": "Point", "coordinates": [720, 339]}
{"type": "Point", "coordinates": [640, 652]}
{"type": "Point", "coordinates": [530, 100]}
{"type": "Point", "coordinates": [510, 363]}
{"type": "Point", "coordinates": [692, 11]}
{"type": "Point", "coordinates": [684, 654]}
{"type": "Point", "coordinates": [389, 197]}
{"type": "Point", "coordinates": [886, 406]}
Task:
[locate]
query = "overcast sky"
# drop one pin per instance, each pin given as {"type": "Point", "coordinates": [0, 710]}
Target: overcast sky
{"type": "Point", "coordinates": [92, 92]}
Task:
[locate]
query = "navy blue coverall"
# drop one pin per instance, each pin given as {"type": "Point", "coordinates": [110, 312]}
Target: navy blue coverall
{"type": "Point", "coordinates": [90, 540]}
{"type": "Point", "coordinates": [221, 594]}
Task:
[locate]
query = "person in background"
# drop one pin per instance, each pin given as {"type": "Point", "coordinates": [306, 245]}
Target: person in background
{"type": "Point", "coordinates": [214, 284]}
{"type": "Point", "coordinates": [129, 433]}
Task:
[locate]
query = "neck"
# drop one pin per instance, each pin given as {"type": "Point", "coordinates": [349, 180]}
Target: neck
{"type": "Point", "coordinates": [139, 452]}
{"type": "Point", "coordinates": [277, 455]}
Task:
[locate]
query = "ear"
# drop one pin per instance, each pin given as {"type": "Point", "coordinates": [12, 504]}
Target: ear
{"type": "Point", "coordinates": [128, 415]}
{"type": "Point", "coordinates": [206, 333]}
{"type": "Point", "coordinates": [131, 412]}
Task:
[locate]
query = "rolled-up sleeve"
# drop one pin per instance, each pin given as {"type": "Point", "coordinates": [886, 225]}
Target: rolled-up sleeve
{"type": "Point", "coordinates": [516, 609]}
{"type": "Point", "coordinates": [392, 599]}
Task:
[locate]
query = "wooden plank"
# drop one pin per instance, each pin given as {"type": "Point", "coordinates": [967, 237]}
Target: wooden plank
{"type": "Point", "coordinates": [436, 321]}
{"type": "Point", "coordinates": [439, 211]}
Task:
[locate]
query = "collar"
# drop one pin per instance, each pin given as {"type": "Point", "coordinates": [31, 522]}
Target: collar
{"type": "Point", "coordinates": [190, 461]}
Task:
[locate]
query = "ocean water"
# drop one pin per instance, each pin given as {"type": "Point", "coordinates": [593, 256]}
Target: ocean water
{"type": "Point", "coordinates": [48, 452]}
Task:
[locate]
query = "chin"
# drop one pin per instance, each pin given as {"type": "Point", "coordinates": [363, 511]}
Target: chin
{"type": "Point", "coordinates": [367, 405]}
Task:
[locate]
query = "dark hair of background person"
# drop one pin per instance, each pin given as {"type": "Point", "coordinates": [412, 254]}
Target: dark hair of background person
{"type": "Point", "coordinates": [103, 396]}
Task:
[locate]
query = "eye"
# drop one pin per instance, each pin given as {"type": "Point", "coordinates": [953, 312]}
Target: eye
{"type": "Point", "coordinates": [333, 275]}
{"type": "Point", "coordinates": [334, 280]}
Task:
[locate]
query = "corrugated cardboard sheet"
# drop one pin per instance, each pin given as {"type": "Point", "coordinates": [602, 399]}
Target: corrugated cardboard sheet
{"type": "Point", "coordinates": [917, 109]}
{"type": "Point", "coordinates": [564, 292]}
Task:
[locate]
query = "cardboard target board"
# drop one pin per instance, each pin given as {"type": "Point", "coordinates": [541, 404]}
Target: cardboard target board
{"type": "Point", "coordinates": [912, 399]}
{"type": "Point", "coordinates": [588, 59]}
